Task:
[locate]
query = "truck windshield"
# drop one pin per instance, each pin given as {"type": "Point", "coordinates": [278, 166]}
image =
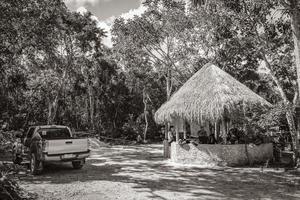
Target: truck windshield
{"type": "Point", "coordinates": [54, 133]}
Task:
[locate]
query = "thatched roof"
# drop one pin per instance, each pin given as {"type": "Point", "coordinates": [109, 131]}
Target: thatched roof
{"type": "Point", "coordinates": [206, 96]}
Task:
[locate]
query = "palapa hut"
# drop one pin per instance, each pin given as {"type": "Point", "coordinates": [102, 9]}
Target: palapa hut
{"type": "Point", "coordinates": [208, 97]}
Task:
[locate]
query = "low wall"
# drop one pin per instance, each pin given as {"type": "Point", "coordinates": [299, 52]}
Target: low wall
{"type": "Point", "coordinates": [217, 154]}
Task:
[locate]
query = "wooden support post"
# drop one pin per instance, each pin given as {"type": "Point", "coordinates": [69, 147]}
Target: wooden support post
{"type": "Point", "coordinates": [207, 128]}
{"type": "Point", "coordinates": [224, 133]}
{"type": "Point", "coordinates": [184, 130]}
{"type": "Point", "coordinates": [216, 131]}
{"type": "Point", "coordinates": [177, 135]}
{"type": "Point", "coordinates": [166, 149]}
{"type": "Point", "coordinates": [165, 142]}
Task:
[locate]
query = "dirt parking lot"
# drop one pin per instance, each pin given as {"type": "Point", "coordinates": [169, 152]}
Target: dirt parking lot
{"type": "Point", "coordinates": [139, 172]}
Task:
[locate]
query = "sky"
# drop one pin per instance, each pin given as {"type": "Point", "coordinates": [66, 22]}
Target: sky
{"type": "Point", "coordinates": [105, 11]}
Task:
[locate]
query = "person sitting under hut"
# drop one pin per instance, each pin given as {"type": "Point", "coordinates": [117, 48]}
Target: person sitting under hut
{"type": "Point", "coordinates": [212, 139]}
{"type": "Point", "coordinates": [162, 133]}
{"type": "Point", "coordinates": [202, 136]}
{"type": "Point", "coordinates": [139, 139]}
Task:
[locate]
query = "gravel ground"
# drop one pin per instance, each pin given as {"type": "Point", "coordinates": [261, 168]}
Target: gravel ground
{"type": "Point", "coordinates": [139, 172]}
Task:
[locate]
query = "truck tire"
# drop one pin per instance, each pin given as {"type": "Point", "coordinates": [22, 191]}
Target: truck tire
{"type": "Point", "coordinates": [77, 164]}
{"type": "Point", "coordinates": [16, 159]}
{"type": "Point", "coordinates": [36, 166]}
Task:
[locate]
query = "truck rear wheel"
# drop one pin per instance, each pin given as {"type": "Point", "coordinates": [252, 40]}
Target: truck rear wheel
{"type": "Point", "coordinates": [77, 164]}
{"type": "Point", "coordinates": [36, 166]}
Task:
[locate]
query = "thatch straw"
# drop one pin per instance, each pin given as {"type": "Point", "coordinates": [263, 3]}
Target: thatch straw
{"type": "Point", "coordinates": [206, 96]}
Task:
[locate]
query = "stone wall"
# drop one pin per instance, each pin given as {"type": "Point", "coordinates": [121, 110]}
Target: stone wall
{"type": "Point", "coordinates": [217, 154]}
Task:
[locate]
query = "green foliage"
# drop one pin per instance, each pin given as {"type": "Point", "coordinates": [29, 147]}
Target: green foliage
{"type": "Point", "coordinates": [54, 69]}
{"type": "Point", "coordinates": [150, 40]}
{"type": "Point", "coordinates": [7, 138]}
{"type": "Point", "coordinates": [275, 117]}
{"type": "Point", "coordinates": [242, 37]}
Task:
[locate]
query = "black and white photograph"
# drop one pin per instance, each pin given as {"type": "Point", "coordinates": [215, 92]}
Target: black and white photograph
{"type": "Point", "coordinates": [149, 99]}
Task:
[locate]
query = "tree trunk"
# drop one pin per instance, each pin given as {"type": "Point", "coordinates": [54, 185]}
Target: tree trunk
{"type": "Point", "coordinates": [73, 111]}
{"type": "Point", "coordinates": [49, 112]}
{"type": "Point", "coordinates": [169, 84]}
{"type": "Point", "coordinates": [295, 23]}
{"type": "Point", "coordinates": [87, 109]}
{"type": "Point", "coordinates": [169, 91]}
{"type": "Point", "coordinates": [55, 107]}
{"type": "Point", "coordinates": [292, 127]}
{"type": "Point", "coordinates": [92, 107]}
{"type": "Point", "coordinates": [145, 114]}
{"type": "Point", "coordinates": [52, 110]}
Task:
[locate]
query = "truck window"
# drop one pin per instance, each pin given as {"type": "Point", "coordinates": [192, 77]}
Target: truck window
{"type": "Point", "coordinates": [54, 133]}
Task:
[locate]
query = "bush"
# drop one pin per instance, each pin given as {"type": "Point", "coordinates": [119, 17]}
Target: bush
{"type": "Point", "coordinates": [9, 188]}
{"type": "Point", "coordinates": [7, 138]}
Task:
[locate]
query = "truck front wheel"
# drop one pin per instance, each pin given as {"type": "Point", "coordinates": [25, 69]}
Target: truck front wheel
{"type": "Point", "coordinates": [77, 164]}
{"type": "Point", "coordinates": [36, 166]}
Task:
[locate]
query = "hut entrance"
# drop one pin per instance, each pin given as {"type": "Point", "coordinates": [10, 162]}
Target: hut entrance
{"type": "Point", "coordinates": [204, 132]}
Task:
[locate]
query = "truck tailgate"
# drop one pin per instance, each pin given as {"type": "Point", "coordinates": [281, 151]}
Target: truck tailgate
{"type": "Point", "coordinates": [64, 146]}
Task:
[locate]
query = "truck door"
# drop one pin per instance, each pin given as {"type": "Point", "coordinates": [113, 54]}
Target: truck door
{"type": "Point", "coordinates": [28, 136]}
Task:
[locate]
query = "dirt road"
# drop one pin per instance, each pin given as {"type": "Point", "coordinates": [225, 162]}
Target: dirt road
{"type": "Point", "coordinates": [139, 172]}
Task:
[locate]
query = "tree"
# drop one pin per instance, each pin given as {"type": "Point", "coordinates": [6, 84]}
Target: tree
{"type": "Point", "coordinates": [271, 40]}
{"type": "Point", "coordinates": [73, 37]}
{"type": "Point", "coordinates": [293, 8]}
{"type": "Point", "coordinates": [144, 84]}
{"type": "Point", "coordinates": [152, 36]}
{"type": "Point", "coordinates": [150, 40]}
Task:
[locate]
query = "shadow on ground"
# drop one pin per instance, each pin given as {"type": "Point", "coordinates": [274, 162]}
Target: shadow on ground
{"type": "Point", "coordinates": [145, 168]}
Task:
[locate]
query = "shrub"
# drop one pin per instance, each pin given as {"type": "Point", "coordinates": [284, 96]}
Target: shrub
{"type": "Point", "coordinates": [9, 188]}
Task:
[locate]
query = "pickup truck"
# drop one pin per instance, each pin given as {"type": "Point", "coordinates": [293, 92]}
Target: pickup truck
{"type": "Point", "coordinates": [50, 143]}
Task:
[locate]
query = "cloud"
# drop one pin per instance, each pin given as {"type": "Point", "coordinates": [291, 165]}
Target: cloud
{"type": "Point", "coordinates": [82, 10]}
{"type": "Point", "coordinates": [93, 17]}
{"type": "Point", "coordinates": [108, 23]}
{"type": "Point", "coordinates": [83, 2]}
{"type": "Point", "coordinates": [105, 25]}
{"type": "Point", "coordinates": [133, 12]}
